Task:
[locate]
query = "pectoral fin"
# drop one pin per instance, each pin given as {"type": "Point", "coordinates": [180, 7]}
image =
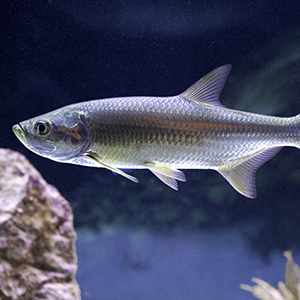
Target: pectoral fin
{"type": "Point", "coordinates": [94, 158]}
{"type": "Point", "coordinates": [241, 173]}
{"type": "Point", "coordinates": [166, 174]}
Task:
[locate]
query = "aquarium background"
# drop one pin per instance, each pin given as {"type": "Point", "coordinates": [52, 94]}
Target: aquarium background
{"type": "Point", "coordinates": [146, 241]}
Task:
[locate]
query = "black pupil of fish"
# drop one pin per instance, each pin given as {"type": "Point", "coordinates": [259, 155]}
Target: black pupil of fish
{"type": "Point", "coordinates": [42, 128]}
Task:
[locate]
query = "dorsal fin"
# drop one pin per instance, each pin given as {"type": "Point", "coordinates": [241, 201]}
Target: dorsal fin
{"type": "Point", "coordinates": [207, 90]}
{"type": "Point", "coordinates": [241, 174]}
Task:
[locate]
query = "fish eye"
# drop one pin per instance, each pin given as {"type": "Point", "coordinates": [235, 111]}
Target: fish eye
{"type": "Point", "coordinates": [42, 127]}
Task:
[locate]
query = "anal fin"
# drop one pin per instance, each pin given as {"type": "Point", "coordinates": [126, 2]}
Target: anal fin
{"type": "Point", "coordinates": [167, 175]}
{"type": "Point", "coordinates": [241, 173]}
{"type": "Point", "coordinates": [113, 169]}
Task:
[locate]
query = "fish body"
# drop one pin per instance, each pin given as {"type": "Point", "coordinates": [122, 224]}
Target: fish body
{"type": "Point", "coordinates": [192, 130]}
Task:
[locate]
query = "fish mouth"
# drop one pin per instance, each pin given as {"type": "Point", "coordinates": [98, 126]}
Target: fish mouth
{"type": "Point", "coordinates": [30, 142]}
{"type": "Point", "coordinates": [19, 131]}
{"type": "Point", "coordinates": [20, 134]}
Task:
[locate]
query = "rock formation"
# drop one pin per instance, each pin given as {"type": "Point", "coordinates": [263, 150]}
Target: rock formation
{"type": "Point", "coordinates": [37, 238]}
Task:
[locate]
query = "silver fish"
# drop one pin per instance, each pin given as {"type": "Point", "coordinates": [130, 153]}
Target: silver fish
{"type": "Point", "coordinates": [192, 130]}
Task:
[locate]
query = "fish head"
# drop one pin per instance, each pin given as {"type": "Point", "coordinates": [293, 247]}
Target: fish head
{"type": "Point", "coordinates": [59, 135]}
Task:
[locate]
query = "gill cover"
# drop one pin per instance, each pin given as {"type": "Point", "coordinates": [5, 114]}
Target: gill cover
{"type": "Point", "coordinates": [59, 135]}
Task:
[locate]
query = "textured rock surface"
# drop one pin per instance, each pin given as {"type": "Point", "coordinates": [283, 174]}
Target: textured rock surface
{"type": "Point", "coordinates": [37, 239]}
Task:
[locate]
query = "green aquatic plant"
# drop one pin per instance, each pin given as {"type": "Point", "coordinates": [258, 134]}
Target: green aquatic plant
{"type": "Point", "coordinates": [290, 290]}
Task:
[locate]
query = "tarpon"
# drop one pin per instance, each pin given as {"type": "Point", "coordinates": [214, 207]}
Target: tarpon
{"type": "Point", "coordinates": [192, 130]}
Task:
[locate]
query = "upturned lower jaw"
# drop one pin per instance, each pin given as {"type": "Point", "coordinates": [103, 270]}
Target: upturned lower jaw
{"type": "Point", "coordinates": [18, 130]}
{"type": "Point", "coordinates": [31, 144]}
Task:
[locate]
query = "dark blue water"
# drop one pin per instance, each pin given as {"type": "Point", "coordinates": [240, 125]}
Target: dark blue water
{"type": "Point", "coordinates": [54, 53]}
